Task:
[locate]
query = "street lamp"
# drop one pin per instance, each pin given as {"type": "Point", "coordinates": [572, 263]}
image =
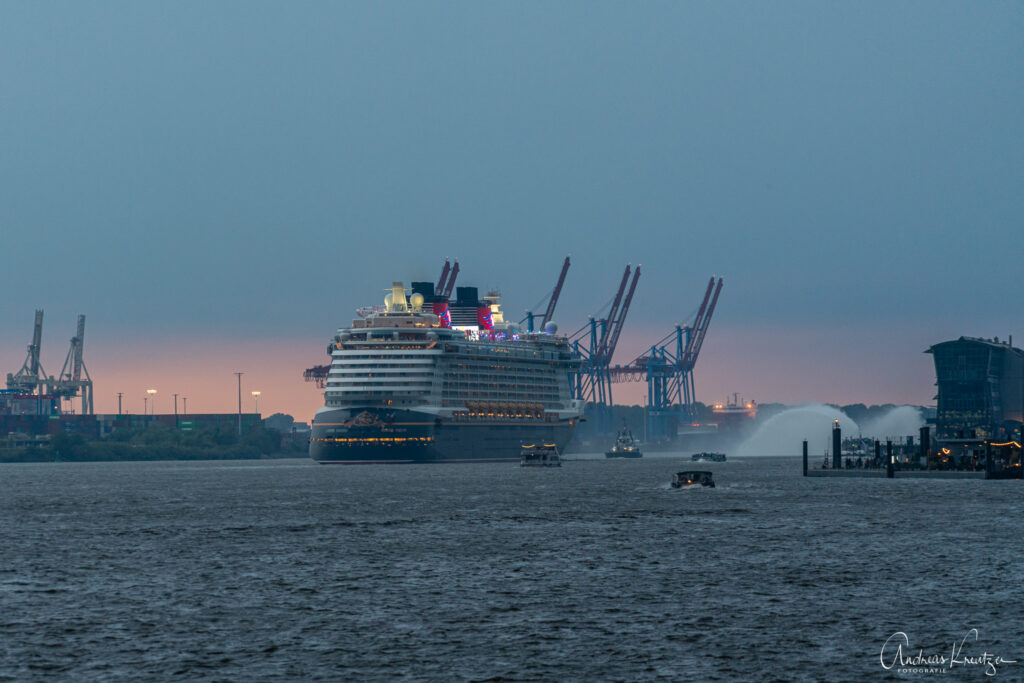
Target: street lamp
{"type": "Point", "coordinates": [152, 405]}
{"type": "Point", "coordinates": [643, 399]}
{"type": "Point", "coordinates": [239, 375]}
{"type": "Point", "coordinates": [256, 397]}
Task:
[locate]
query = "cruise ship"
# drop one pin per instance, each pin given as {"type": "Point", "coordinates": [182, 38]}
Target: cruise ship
{"type": "Point", "coordinates": [420, 379]}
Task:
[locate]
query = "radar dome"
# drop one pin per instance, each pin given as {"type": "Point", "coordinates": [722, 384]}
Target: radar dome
{"type": "Point", "coordinates": [416, 300]}
{"type": "Point", "coordinates": [550, 328]}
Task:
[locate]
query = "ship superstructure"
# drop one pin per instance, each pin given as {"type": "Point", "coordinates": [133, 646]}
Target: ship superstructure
{"type": "Point", "coordinates": [422, 379]}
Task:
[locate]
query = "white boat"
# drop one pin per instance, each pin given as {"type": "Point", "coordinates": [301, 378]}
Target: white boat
{"type": "Point", "coordinates": [540, 455]}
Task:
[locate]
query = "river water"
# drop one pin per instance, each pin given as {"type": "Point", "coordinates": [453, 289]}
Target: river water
{"type": "Point", "coordinates": [286, 570]}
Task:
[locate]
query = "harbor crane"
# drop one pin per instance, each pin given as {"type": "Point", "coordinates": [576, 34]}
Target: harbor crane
{"type": "Point", "coordinates": [593, 346]}
{"type": "Point", "coordinates": [444, 276]}
{"type": "Point", "coordinates": [668, 369]}
{"type": "Point", "coordinates": [31, 378]}
{"type": "Point", "coordinates": [74, 379]}
{"type": "Point", "coordinates": [70, 383]}
{"type": "Point", "coordinates": [446, 287]}
{"type": "Point", "coordinates": [317, 374]}
{"type": "Point", "coordinates": [549, 312]}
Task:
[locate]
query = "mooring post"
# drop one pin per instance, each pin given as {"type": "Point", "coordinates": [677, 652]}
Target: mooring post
{"type": "Point", "coordinates": [837, 446]}
{"type": "Point", "coordinates": [988, 459]}
{"type": "Point", "coordinates": [890, 464]}
{"type": "Point", "coordinates": [925, 447]}
{"type": "Point", "coordinates": [878, 452]}
{"type": "Point", "coordinates": [805, 457]}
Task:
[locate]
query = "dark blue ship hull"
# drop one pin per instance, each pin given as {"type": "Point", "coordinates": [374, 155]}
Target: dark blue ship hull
{"type": "Point", "coordinates": [372, 435]}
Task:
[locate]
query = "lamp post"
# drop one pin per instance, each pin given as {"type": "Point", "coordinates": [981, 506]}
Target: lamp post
{"type": "Point", "coordinates": [175, 405]}
{"type": "Point", "coordinates": [152, 404]}
{"type": "Point", "coordinates": [256, 397]}
{"type": "Point", "coordinates": [119, 395]}
{"type": "Point", "coordinates": [145, 405]}
{"type": "Point", "coordinates": [184, 400]}
{"type": "Point", "coordinates": [239, 374]}
{"type": "Point", "coordinates": [644, 401]}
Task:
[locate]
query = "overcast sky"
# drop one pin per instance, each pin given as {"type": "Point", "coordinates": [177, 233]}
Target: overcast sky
{"type": "Point", "coordinates": [218, 185]}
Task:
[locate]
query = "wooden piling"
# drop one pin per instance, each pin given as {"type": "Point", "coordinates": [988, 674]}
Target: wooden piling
{"type": "Point", "coordinates": [925, 446]}
{"type": "Point", "coordinates": [837, 447]}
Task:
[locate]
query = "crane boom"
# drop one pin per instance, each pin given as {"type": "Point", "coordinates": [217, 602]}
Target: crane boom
{"type": "Point", "coordinates": [698, 338]}
{"type": "Point", "coordinates": [37, 342]}
{"type": "Point", "coordinates": [618, 324]}
{"type": "Point", "coordinates": [444, 277]}
{"type": "Point", "coordinates": [451, 282]}
{"type": "Point", "coordinates": [603, 343]}
{"type": "Point", "coordinates": [697, 322]}
{"type": "Point", "coordinates": [76, 373]}
{"type": "Point", "coordinates": [31, 376]}
{"type": "Point", "coordinates": [554, 295]}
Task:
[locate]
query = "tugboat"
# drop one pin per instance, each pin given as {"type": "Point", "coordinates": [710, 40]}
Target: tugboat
{"type": "Point", "coordinates": [625, 446]}
{"type": "Point", "coordinates": [544, 455]}
{"type": "Point", "coordinates": [692, 478]}
{"type": "Point", "coordinates": [708, 457]}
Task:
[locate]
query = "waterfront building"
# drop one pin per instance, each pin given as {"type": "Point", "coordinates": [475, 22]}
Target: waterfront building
{"type": "Point", "coordinates": [980, 391]}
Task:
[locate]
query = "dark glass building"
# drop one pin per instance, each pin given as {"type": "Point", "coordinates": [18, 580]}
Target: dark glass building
{"type": "Point", "coordinates": [981, 390]}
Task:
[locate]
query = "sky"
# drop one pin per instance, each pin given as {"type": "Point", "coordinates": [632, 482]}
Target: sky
{"type": "Point", "coordinates": [218, 186]}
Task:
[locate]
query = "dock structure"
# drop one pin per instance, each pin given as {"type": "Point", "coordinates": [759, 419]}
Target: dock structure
{"type": "Point", "coordinates": [978, 428]}
{"type": "Point", "coordinates": [1006, 464]}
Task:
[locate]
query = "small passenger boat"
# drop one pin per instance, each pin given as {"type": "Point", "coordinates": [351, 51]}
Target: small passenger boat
{"type": "Point", "coordinates": [708, 457]}
{"type": "Point", "coordinates": [692, 478]}
{"type": "Point", "coordinates": [539, 455]}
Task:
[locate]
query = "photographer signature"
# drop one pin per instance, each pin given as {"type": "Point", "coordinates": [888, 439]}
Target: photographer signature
{"type": "Point", "coordinates": [896, 654]}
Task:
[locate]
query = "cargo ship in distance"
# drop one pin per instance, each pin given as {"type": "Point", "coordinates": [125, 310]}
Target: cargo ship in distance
{"type": "Point", "coordinates": [421, 380]}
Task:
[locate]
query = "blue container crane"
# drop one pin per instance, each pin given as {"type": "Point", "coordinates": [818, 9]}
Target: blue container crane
{"type": "Point", "coordinates": [594, 345]}
{"type": "Point", "coordinates": [668, 370]}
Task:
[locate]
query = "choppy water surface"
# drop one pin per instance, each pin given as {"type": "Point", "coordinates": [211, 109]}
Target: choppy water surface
{"type": "Point", "coordinates": [288, 570]}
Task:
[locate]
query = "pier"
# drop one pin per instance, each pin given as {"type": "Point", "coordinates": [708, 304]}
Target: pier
{"type": "Point", "coordinates": [1002, 460]}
